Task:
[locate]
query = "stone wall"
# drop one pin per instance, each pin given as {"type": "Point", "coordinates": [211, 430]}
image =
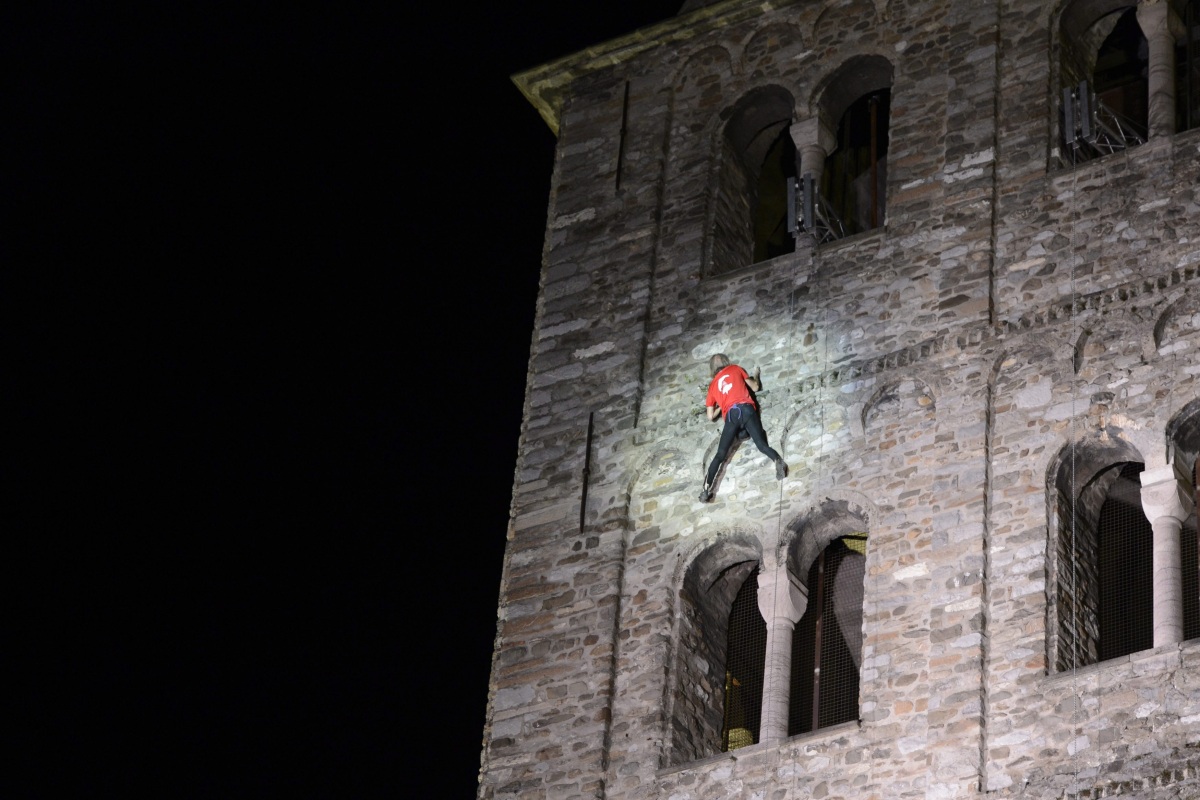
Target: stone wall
{"type": "Point", "coordinates": [924, 379]}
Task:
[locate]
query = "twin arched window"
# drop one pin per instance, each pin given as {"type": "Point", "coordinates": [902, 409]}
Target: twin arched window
{"type": "Point", "coordinates": [723, 643]}
{"type": "Point", "coordinates": [763, 197]}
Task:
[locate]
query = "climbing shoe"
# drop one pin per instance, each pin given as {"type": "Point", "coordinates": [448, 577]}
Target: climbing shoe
{"type": "Point", "coordinates": [705, 495]}
{"type": "Point", "coordinates": [780, 469]}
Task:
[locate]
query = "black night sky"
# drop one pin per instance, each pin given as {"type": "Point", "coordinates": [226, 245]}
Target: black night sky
{"type": "Point", "coordinates": [273, 271]}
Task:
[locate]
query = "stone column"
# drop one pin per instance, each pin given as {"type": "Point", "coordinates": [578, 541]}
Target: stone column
{"type": "Point", "coordinates": [814, 142]}
{"type": "Point", "coordinates": [1167, 503]}
{"type": "Point", "coordinates": [1159, 24]}
{"type": "Point", "coordinates": [781, 600]}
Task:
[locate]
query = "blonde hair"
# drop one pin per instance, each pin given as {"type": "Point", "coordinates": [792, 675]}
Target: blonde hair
{"type": "Point", "coordinates": [718, 362]}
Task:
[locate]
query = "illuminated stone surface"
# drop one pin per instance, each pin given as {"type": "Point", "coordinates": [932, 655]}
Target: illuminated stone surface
{"type": "Point", "coordinates": [924, 377]}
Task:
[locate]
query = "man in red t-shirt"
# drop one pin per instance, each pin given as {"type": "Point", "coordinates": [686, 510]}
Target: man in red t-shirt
{"type": "Point", "coordinates": [730, 394]}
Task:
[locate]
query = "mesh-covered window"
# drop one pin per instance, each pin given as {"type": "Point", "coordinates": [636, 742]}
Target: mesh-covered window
{"type": "Point", "coordinates": [1106, 572]}
{"type": "Point", "coordinates": [718, 644]}
{"type": "Point", "coordinates": [745, 659]}
{"type": "Point", "coordinates": [827, 644]}
{"type": "Point", "coordinates": [1126, 568]}
{"type": "Point", "coordinates": [1189, 557]}
{"type": "Point", "coordinates": [1125, 553]}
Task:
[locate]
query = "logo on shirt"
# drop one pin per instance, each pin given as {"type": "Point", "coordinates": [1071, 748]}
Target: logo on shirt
{"type": "Point", "coordinates": [724, 384]}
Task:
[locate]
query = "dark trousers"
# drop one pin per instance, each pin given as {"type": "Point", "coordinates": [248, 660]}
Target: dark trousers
{"type": "Point", "coordinates": [740, 417]}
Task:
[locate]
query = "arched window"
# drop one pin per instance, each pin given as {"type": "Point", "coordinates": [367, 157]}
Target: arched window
{"type": "Point", "coordinates": [771, 235]}
{"type": "Point", "coordinates": [844, 150]}
{"type": "Point", "coordinates": [855, 179]}
{"type": "Point", "coordinates": [1123, 553]}
{"type": "Point", "coordinates": [1125, 565]}
{"type": "Point", "coordinates": [745, 653]}
{"type": "Point", "coordinates": [827, 645]}
{"type": "Point", "coordinates": [1119, 79]}
{"type": "Point", "coordinates": [1104, 566]}
{"type": "Point", "coordinates": [1183, 433]}
{"type": "Point", "coordinates": [830, 551]}
{"type": "Point", "coordinates": [719, 653]}
{"type": "Point", "coordinates": [1105, 70]}
{"type": "Point", "coordinates": [750, 221]}
{"type": "Point", "coordinates": [1128, 72]}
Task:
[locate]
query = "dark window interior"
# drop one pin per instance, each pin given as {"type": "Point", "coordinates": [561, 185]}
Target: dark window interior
{"type": "Point", "coordinates": [1121, 71]}
{"type": "Point", "coordinates": [856, 172]}
{"type": "Point", "coordinates": [1187, 70]}
{"type": "Point", "coordinates": [771, 237]}
{"type": "Point", "coordinates": [1125, 560]}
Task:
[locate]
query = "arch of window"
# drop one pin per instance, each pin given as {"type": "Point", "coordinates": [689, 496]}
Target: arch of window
{"type": "Point", "coordinates": [720, 652]}
{"type": "Point", "coordinates": [750, 220]}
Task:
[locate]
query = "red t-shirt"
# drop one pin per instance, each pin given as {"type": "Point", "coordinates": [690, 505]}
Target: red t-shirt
{"type": "Point", "coordinates": [728, 388]}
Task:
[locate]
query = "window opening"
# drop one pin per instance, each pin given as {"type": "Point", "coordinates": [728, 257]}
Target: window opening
{"type": "Point", "coordinates": [854, 181]}
{"type": "Point", "coordinates": [1189, 557]}
{"type": "Point", "coordinates": [827, 645]}
{"type": "Point", "coordinates": [750, 208]}
{"type": "Point", "coordinates": [703, 713]}
{"type": "Point", "coordinates": [1125, 549]}
{"type": "Point", "coordinates": [1187, 68]}
{"type": "Point", "coordinates": [745, 660]}
{"type": "Point", "coordinates": [778, 171]}
{"type": "Point", "coordinates": [1106, 608]}
{"type": "Point", "coordinates": [1107, 110]}
{"type": "Point", "coordinates": [1120, 77]}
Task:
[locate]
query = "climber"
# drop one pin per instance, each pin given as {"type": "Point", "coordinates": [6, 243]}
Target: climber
{"type": "Point", "coordinates": [730, 394]}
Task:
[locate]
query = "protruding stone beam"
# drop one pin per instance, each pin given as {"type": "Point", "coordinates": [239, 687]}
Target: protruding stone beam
{"type": "Point", "coordinates": [1167, 502]}
{"type": "Point", "coordinates": [782, 600]}
{"type": "Point", "coordinates": [1160, 25]}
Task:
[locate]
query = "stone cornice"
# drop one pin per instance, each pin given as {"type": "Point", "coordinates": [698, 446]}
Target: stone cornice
{"type": "Point", "coordinates": [1100, 301]}
{"type": "Point", "coordinates": [546, 85]}
{"type": "Point", "coordinates": [954, 341]}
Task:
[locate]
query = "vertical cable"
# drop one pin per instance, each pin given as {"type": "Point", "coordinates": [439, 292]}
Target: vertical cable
{"type": "Point", "coordinates": [1074, 378]}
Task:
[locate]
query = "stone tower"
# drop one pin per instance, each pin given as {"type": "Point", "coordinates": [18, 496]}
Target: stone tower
{"type": "Point", "coordinates": [961, 240]}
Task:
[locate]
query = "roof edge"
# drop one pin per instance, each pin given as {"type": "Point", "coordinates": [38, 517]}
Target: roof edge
{"type": "Point", "coordinates": [545, 86]}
